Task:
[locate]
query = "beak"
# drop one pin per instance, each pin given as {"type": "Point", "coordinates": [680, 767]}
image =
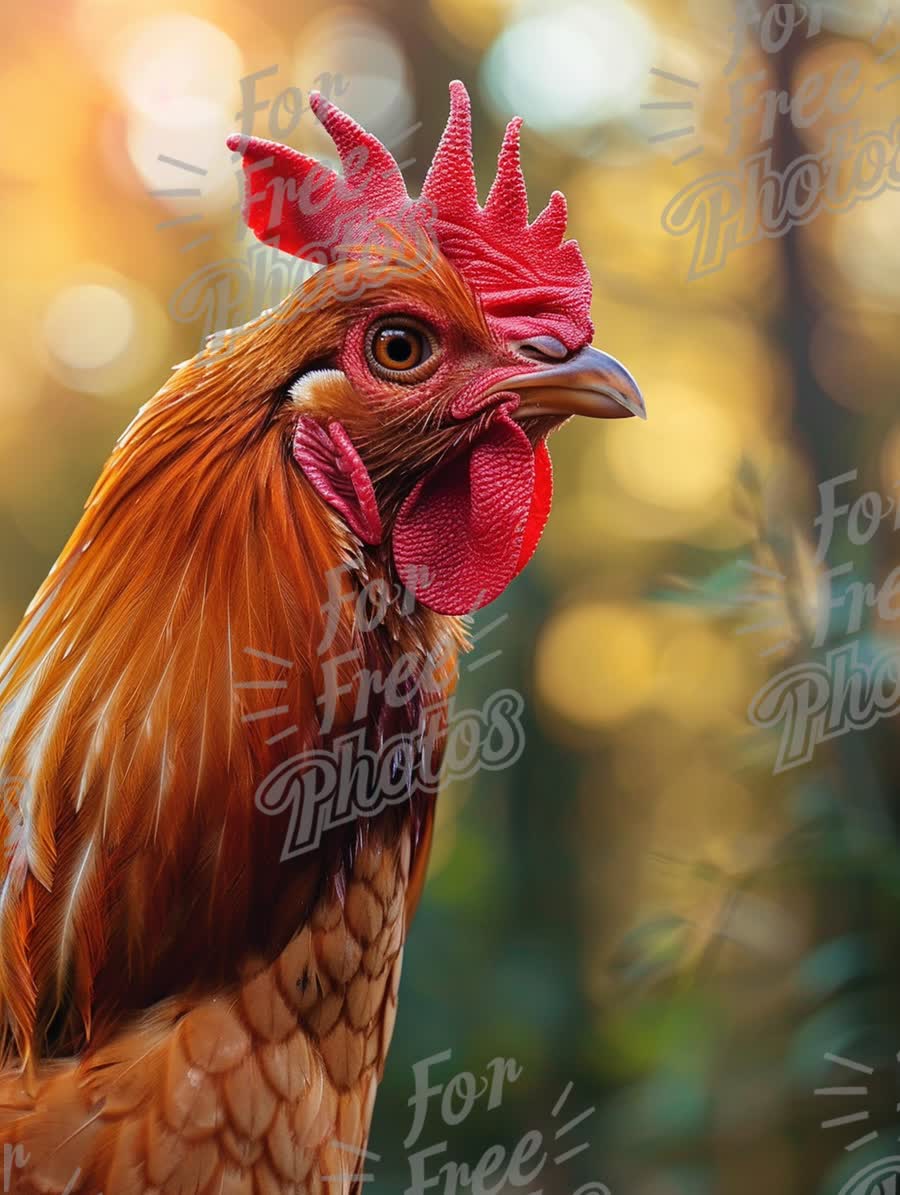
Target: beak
{"type": "Point", "coordinates": [590, 383]}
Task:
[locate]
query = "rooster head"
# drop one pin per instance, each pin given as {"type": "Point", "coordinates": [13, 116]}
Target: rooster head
{"type": "Point", "coordinates": [461, 341]}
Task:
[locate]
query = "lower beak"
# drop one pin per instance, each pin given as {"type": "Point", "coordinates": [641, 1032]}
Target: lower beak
{"type": "Point", "coordinates": [590, 383]}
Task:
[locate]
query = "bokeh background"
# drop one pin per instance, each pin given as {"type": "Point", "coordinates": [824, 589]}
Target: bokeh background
{"type": "Point", "coordinates": [641, 908]}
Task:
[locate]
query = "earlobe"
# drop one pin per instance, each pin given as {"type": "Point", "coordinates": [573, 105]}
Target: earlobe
{"type": "Point", "coordinates": [335, 470]}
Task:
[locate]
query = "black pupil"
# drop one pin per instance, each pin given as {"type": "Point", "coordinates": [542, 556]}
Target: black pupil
{"type": "Point", "coordinates": [399, 347]}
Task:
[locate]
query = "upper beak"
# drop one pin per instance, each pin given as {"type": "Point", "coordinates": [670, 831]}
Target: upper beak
{"type": "Point", "coordinates": [590, 383]}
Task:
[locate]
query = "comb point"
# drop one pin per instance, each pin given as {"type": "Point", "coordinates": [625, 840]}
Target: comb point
{"type": "Point", "coordinates": [551, 223]}
{"type": "Point", "coordinates": [508, 199]}
{"type": "Point", "coordinates": [450, 181]}
{"type": "Point", "coordinates": [361, 152]}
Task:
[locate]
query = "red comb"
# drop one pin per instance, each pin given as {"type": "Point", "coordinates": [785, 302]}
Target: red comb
{"type": "Point", "coordinates": [526, 276]}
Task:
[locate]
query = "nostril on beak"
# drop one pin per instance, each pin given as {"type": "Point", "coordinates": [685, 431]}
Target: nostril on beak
{"type": "Point", "coordinates": [542, 348]}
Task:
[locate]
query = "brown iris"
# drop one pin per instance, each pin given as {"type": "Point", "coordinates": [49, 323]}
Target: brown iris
{"type": "Point", "coordinates": [400, 349]}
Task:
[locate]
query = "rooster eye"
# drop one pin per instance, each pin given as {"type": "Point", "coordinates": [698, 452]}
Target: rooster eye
{"type": "Point", "coordinates": [400, 349]}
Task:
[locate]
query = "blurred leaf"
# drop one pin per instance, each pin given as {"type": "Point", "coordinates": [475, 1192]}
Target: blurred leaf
{"type": "Point", "coordinates": [652, 948]}
{"type": "Point", "coordinates": [835, 964]}
{"type": "Point", "coordinates": [720, 590]}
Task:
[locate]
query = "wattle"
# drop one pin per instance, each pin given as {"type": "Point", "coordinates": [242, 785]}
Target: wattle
{"type": "Point", "coordinates": [472, 524]}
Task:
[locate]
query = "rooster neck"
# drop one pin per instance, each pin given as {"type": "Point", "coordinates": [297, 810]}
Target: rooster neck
{"type": "Point", "coordinates": [170, 661]}
{"type": "Point", "coordinates": [385, 610]}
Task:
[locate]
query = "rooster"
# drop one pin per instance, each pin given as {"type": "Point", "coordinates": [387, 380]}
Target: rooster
{"type": "Point", "coordinates": [185, 1006]}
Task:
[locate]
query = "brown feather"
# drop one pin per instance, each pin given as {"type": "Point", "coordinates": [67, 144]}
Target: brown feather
{"type": "Point", "coordinates": [144, 883]}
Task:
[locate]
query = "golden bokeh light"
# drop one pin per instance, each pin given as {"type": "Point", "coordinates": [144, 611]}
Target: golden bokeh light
{"type": "Point", "coordinates": [158, 63]}
{"type": "Point", "coordinates": [702, 675]}
{"type": "Point", "coordinates": [102, 333]}
{"type": "Point", "coordinates": [686, 457]}
{"type": "Point", "coordinates": [617, 209]}
{"type": "Point", "coordinates": [178, 77]}
{"type": "Point", "coordinates": [594, 663]}
{"type": "Point", "coordinates": [346, 47]}
{"type": "Point", "coordinates": [88, 326]}
{"type": "Point", "coordinates": [525, 66]}
{"type": "Point", "coordinates": [867, 248]}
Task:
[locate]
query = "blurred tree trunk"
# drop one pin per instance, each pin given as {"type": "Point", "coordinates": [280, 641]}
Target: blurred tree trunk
{"type": "Point", "coordinates": [824, 426]}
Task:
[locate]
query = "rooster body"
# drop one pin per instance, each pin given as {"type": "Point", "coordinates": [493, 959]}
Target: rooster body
{"type": "Point", "coordinates": [149, 864]}
{"type": "Point", "coordinates": [183, 1008]}
{"type": "Point", "coordinates": [267, 1086]}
